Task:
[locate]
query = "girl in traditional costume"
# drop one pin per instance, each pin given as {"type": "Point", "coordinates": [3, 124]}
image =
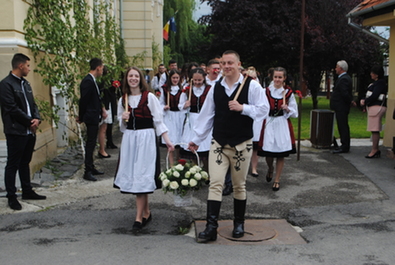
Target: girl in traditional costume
{"type": "Point", "coordinates": [192, 100]}
{"type": "Point", "coordinates": [141, 116]}
{"type": "Point", "coordinates": [173, 116]}
{"type": "Point", "coordinates": [277, 138]}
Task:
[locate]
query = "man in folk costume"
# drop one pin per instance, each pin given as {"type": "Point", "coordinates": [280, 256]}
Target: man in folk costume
{"type": "Point", "coordinates": [230, 111]}
{"type": "Point", "coordinates": [213, 72]}
{"type": "Point", "coordinates": [157, 76]}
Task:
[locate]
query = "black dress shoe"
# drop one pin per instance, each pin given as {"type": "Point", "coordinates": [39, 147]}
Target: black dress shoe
{"type": "Point", "coordinates": [339, 151]}
{"type": "Point", "coordinates": [88, 176]}
{"type": "Point", "coordinates": [375, 155]}
{"type": "Point", "coordinates": [103, 156]}
{"type": "Point", "coordinates": [228, 190]}
{"type": "Point", "coordinates": [14, 204]}
{"type": "Point", "coordinates": [31, 195]}
{"type": "Point", "coordinates": [276, 186]}
{"type": "Point", "coordinates": [147, 220]}
{"type": "Point", "coordinates": [255, 175]}
{"type": "Point", "coordinates": [137, 226]}
{"type": "Point", "coordinates": [96, 172]}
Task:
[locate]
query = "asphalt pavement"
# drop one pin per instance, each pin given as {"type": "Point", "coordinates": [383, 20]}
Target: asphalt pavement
{"type": "Point", "coordinates": [342, 206]}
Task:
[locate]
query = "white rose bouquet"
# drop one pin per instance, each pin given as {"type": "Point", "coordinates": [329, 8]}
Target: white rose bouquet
{"type": "Point", "coordinates": [182, 178]}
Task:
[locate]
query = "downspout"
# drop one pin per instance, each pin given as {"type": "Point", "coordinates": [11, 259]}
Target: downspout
{"type": "Point", "coordinates": [145, 32]}
{"type": "Point", "coordinates": [121, 17]}
{"type": "Point", "coordinates": [359, 27]}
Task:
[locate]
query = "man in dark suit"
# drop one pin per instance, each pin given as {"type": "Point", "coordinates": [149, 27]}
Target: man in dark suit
{"type": "Point", "coordinates": [341, 101]}
{"type": "Point", "coordinates": [20, 119]}
{"type": "Point", "coordinates": [91, 112]}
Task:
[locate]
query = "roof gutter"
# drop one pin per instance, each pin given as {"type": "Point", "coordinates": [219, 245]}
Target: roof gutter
{"type": "Point", "coordinates": [370, 9]}
{"type": "Point", "coordinates": [352, 14]}
{"type": "Point", "coordinates": [374, 35]}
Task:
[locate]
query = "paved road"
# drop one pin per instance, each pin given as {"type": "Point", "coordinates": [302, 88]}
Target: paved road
{"type": "Point", "coordinates": [343, 206]}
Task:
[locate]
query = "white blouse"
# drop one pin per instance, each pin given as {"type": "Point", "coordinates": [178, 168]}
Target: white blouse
{"type": "Point", "coordinates": [197, 91]}
{"type": "Point", "coordinates": [153, 105]}
{"type": "Point", "coordinates": [257, 109]}
{"type": "Point", "coordinates": [277, 93]}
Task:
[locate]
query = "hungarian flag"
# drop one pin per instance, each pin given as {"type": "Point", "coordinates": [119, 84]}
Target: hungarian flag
{"type": "Point", "coordinates": [170, 25]}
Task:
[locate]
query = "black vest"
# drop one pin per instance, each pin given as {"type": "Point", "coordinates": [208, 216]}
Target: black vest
{"type": "Point", "coordinates": [140, 117]}
{"type": "Point", "coordinates": [230, 127]}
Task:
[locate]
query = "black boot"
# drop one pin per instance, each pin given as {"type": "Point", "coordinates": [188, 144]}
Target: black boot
{"type": "Point", "coordinates": [238, 222]}
{"type": "Point", "coordinates": [210, 233]}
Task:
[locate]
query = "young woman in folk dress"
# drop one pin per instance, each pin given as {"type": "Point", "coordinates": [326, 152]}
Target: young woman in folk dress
{"type": "Point", "coordinates": [277, 139]}
{"type": "Point", "coordinates": [173, 116]}
{"type": "Point", "coordinates": [192, 100]}
{"type": "Point", "coordinates": [141, 116]}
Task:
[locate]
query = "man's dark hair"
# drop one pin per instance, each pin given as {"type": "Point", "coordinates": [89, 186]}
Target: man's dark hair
{"type": "Point", "coordinates": [94, 63]}
{"type": "Point", "coordinates": [161, 65]}
{"type": "Point", "coordinates": [211, 62]}
{"type": "Point", "coordinates": [18, 59]}
{"type": "Point", "coordinates": [172, 61]}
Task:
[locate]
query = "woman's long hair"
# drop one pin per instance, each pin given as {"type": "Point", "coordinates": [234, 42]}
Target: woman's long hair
{"type": "Point", "coordinates": [125, 85]}
{"type": "Point", "coordinates": [168, 81]}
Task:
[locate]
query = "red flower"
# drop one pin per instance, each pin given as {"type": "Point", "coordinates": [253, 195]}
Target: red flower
{"type": "Point", "coordinates": [185, 90]}
{"type": "Point", "coordinates": [182, 161]}
{"type": "Point", "coordinates": [116, 84]}
{"type": "Point", "coordinates": [157, 93]}
{"type": "Point", "coordinates": [299, 93]}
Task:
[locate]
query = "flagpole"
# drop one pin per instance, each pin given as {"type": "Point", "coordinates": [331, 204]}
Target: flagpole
{"type": "Point", "coordinates": [302, 22]}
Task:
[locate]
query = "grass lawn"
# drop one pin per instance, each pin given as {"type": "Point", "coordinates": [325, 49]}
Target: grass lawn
{"type": "Point", "coordinates": [356, 119]}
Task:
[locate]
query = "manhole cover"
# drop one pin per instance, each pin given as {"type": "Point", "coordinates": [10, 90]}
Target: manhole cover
{"type": "Point", "coordinates": [257, 232]}
{"type": "Point", "coordinates": [252, 233]}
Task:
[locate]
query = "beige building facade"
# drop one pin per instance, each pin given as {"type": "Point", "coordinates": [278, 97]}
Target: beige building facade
{"type": "Point", "coordinates": [141, 25]}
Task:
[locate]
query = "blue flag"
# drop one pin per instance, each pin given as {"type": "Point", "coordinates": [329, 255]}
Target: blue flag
{"type": "Point", "coordinates": [173, 24]}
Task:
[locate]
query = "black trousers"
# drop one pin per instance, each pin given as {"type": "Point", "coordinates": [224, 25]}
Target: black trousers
{"type": "Point", "coordinates": [19, 154]}
{"type": "Point", "coordinates": [109, 134]}
{"type": "Point", "coordinates": [91, 139]}
{"type": "Point", "coordinates": [344, 129]}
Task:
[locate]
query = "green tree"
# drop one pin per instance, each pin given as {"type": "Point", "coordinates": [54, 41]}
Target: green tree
{"type": "Point", "coordinates": [186, 44]}
{"type": "Point", "coordinates": [63, 40]}
{"type": "Point", "coordinates": [267, 34]}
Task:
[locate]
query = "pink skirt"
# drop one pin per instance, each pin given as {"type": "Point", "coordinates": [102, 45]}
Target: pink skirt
{"type": "Point", "coordinates": [375, 113]}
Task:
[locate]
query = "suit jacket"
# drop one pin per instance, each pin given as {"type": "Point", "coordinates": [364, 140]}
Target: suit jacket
{"type": "Point", "coordinates": [378, 88]}
{"type": "Point", "coordinates": [90, 105]}
{"type": "Point", "coordinates": [14, 112]}
{"type": "Point", "coordinates": [342, 94]}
